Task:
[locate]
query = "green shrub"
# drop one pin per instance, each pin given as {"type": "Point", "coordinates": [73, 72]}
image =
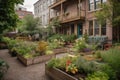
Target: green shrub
{"type": "Point", "coordinates": [55, 44]}
{"type": "Point", "coordinates": [53, 63]}
{"type": "Point", "coordinates": [3, 68]}
{"type": "Point", "coordinates": [80, 44]}
{"type": "Point", "coordinates": [112, 57]}
{"type": "Point", "coordinates": [98, 76]}
{"type": "Point", "coordinates": [97, 54]}
{"type": "Point", "coordinates": [109, 71]}
{"type": "Point", "coordinates": [61, 62]}
{"type": "Point", "coordinates": [79, 63]}
{"type": "Point", "coordinates": [61, 37]}
{"type": "Point", "coordinates": [85, 66]}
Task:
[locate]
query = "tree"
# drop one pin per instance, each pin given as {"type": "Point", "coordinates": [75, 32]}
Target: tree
{"type": "Point", "coordinates": [8, 17]}
{"type": "Point", "coordinates": [110, 11]}
{"type": "Point", "coordinates": [30, 24]}
{"type": "Point", "coordinates": [55, 23]}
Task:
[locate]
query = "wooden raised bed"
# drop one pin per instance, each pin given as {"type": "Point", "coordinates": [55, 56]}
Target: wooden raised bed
{"type": "Point", "coordinates": [57, 74]}
{"type": "Point", "coordinates": [43, 58]}
{"type": "Point", "coordinates": [35, 60]}
{"type": "Point", "coordinates": [60, 50]}
{"type": "Point", "coordinates": [25, 61]}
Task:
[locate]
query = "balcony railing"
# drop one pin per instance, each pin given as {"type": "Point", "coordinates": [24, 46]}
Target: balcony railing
{"type": "Point", "coordinates": [67, 17]}
{"type": "Point", "coordinates": [78, 16]}
{"type": "Point", "coordinates": [57, 3]}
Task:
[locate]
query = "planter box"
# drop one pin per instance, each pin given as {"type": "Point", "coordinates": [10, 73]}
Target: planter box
{"type": "Point", "coordinates": [25, 61]}
{"type": "Point", "coordinates": [59, 50]}
{"type": "Point", "coordinates": [43, 58]}
{"type": "Point", "coordinates": [35, 60]}
{"type": "Point", "coordinates": [57, 74]}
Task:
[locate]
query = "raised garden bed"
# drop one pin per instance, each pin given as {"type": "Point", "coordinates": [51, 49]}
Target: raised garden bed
{"type": "Point", "coordinates": [25, 61]}
{"type": "Point", "coordinates": [59, 50]}
{"type": "Point", "coordinates": [35, 60]}
{"type": "Point", "coordinates": [57, 74]}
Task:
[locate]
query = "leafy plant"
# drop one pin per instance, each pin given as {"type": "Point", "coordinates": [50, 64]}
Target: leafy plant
{"type": "Point", "coordinates": [53, 63]}
{"type": "Point", "coordinates": [3, 68]}
{"type": "Point", "coordinates": [80, 44]}
{"type": "Point", "coordinates": [42, 47]}
{"type": "Point", "coordinates": [71, 68]}
{"type": "Point", "coordinates": [112, 58]}
{"type": "Point", "coordinates": [109, 71]}
{"type": "Point", "coordinates": [98, 76]}
{"type": "Point", "coordinates": [60, 63]}
{"type": "Point", "coordinates": [55, 44]}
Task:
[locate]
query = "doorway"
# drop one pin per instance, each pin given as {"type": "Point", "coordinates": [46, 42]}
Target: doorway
{"type": "Point", "coordinates": [80, 30]}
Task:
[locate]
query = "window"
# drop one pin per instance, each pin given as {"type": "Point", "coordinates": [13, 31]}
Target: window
{"type": "Point", "coordinates": [91, 5]}
{"type": "Point", "coordinates": [96, 27]}
{"type": "Point", "coordinates": [97, 2]}
{"type": "Point", "coordinates": [103, 1]}
{"type": "Point", "coordinates": [90, 27]}
{"type": "Point", "coordinates": [103, 29]}
{"type": "Point", "coordinates": [94, 4]}
{"type": "Point", "coordinates": [72, 28]}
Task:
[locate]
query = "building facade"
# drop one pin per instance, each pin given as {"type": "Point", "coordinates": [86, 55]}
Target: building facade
{"type": "Point", "coordinates": [41, 10]}
{"type": "Point", "coordinates": [77, 17]}
{"type": "Point", "coordinates": [22, 12]}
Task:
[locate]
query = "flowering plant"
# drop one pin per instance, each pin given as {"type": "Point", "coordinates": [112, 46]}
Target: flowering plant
{"type": "Point", "coordinates": [71, 67]}
{"type": "Point", "coordinates": [80, 44]}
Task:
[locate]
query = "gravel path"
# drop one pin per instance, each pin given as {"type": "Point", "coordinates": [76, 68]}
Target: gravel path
{"type": "Point", "coordinates": [18, 71]}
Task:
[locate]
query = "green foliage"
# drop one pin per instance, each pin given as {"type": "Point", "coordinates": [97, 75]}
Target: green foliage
{"type": "Point", "coordinates": [112, 58]}
{"type": "Point", "coordinates": [87, 67]}
{"type": "Point", "coordinates": [53, 63]}
{"type": "Point", "coordinates": [30, 24]}
{"type": "Point", "coordinates": [98, 76]}
{"type": "Point", "coordinates": [104, 14]}
{"type": "Point", "coordinates": [55, 44]}
{"type": "Point", "coordinates": [3, 68]}
{"type": "Point", "coordinates": [80, 44]}
{"type": "Point", "coordinates": [60, 63]}
{"type": "Point", "coordinates": [72, 69]}
{"type": "Point", "coordinates": [9, 19]}
{"type": "Point", "coordinates": [109, 71]}
{"type": "Point", "coordinates": [61, 37]}
{"type": "Point", "coordinates": [109, 11]}
{"type": "Point", "coordinates": [42, 47]}
{"type": "Point", "coordinates": [98, 54]}
{"type": "Point", "coordinates": [55, 22]}
{"type": "Point", "coordinates": [79, 63]}
{"type": "Point", "coordinates": [10, 42]}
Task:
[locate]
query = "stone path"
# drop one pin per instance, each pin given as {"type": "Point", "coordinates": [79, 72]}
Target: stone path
{"type": "Point", "coordinates": [18, 71]}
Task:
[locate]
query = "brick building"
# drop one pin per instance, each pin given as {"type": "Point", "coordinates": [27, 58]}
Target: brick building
{"type": "Point", "coordinates": [41, 10]}
{"type": "Point", "coordinates": [77, 17]}
{"type": "Point", "coordinates": [22, 12]}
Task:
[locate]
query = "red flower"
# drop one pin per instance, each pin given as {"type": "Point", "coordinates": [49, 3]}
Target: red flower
{"type": "Point", "coordinates": [68, 62]}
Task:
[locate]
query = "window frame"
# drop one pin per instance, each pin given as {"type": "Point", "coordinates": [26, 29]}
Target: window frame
{"type": "Point", "coordinates": [93, 5]}
{"type": "Point", "coordinates": [91, 28]}
{"type": "Point", "coordinates": [100, 29]}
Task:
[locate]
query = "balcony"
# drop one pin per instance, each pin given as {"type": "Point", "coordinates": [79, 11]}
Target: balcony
{"type": "Point", "coordinates": [79, 16]}
{"type": "Point", "coordinates": [65, 18]}
{"type": "Point", "coordinates": [57, 3]}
